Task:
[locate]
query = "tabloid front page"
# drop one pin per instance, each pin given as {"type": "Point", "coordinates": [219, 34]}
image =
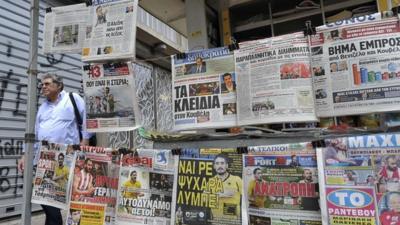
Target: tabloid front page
{"type": "Point", "coordinates": [204, 89]}
{"type": "Point", "coordinates": [95, 182]}
{"type": "Point", "coordinates": [281, 184]}
{"type": "Point", "coordinates": [111, 104]}
{"type": "Point", "coordinates": [53, 175]}
{"type": "Point", "coordinates": [65, 29]}
{"type": "Point", "coordinates": [359, 180]}
{"type": "Point", "coordinates": [209, 188]}
{"type": "Point", "coordinates": [274, 81]}
{"type": "Point", "coordinates": [111, 30]}
{"type": "Point", "coordinates": [145, 187]}
{"type": "Point", "coordinates": [356, 68]}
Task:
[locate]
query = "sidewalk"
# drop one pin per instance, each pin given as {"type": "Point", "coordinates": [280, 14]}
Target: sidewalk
{"type": "Point", "coordinates": [37, 219]}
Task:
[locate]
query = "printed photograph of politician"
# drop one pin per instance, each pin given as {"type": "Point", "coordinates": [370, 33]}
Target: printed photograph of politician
{"type": "Point", "coordinates": [198, 67]}
{"type": "Point", "coordinates": [202, 89]}
{"type": "Point", "coordinates": [228, 83]}
{"type": "Point", "coordinates": [294, 71]}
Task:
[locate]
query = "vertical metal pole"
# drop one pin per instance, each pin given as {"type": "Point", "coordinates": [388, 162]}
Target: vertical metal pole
{"type": "Point", "coordinates": [271, 18]}
{"type": "Point", "coordinates": [321, 2]}
{"type": "Point", "coordinates": [30, 112]}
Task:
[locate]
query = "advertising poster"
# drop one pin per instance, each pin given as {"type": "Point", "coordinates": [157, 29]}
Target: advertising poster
{"type": "Point", "coordinates": [274, 81]}
{"type": "Point", "coordinates": [85, 214]}
{"type": "Point", "coordinates": [53, 175]}
{"type": "Point", "coordinates": [110, 104]}
{"type": "Point", "coordinates": [145, 187]}
{"type": "Point", "coordinates": [281, 184]}
{"type": "Point", "coordinates": [209, 188]}
{"type": "Point", "coordinates": [111, 30]}
{"type": "Point", "coordinates": [356, 68]}
{"type": "Point", "coordinates": [96, 180]}
{"type": "Point", "coordinates": [65, 28]}
{"type": "Point", "coordinates": [204, 89]}
{"type": "Point", "coordinates": [360, 180]}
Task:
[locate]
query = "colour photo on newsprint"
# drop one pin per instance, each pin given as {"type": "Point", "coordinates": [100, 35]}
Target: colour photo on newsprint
{"type": "Point", "coordinates": [110, 97]}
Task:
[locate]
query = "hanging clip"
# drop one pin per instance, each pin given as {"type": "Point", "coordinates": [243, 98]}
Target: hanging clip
{"type": "Point", "coordinates": [48, 10]}
{"type": "Point", "coordinates": [76, 147]}
{"type": "Point", "coordinates": [181, 55]}
{"type": "Point", "coordinates": [176, 151]}
{"type": "Point", "coordinates": [234, 45]}
{"type": "Point", "coordinates": [310, 30]}
{"type": "Point", "coordinates": [44, 142]}
{"type": "Point", "coordinates": [88, 2]}
{"type": "Point", "coordinates": [242, 150]}
{"type": "Point", "coordinates": [318, 144]}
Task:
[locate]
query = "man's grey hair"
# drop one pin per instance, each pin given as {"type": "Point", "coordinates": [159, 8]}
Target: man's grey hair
{"type": "Point", "coordinates": [55, 79]}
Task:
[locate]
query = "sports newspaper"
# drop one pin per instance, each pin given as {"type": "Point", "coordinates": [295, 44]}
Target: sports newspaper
{"type": "Point", "coordinates": [359, 180]}
{"type": "Point", "coordinates": [209, 188]}
{"type": "Point", "coordinates": [281, 184]}
{"type": "Point", "coordinates": [96, 181]}
{"type": "Point", "coordinates": [53, 175]}
{"type": "Point", "coordinates": [145, 187]}
{"type": "Point", "coordinates": [204, 89]}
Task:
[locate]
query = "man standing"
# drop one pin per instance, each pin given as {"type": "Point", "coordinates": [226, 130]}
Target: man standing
{"type": "Point", "coordinates": [229, 198]}
{"type": "Point", "coordinates": [199, 67]}
{"type": "Point", "coordinates": [83, 182]}
{"type": "Point", "coordinates": [61, 172]}
{"type": "Point", "coordinates": [56, 123]}
{"type": "Point", "coordinates": [254, 199]}
{"type": "Point", "coordinates": [229, 85]}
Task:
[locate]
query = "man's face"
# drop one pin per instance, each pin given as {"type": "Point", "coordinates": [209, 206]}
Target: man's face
{"type": "Point", "coordinates": [394, 202]}
{"type": "Point", "coordinates": [76, 216]}
{"type": "Point", "coordinates": [49, 88]}
{"type": "Point", "coordinates": [258, 175]}
{"type": "Point", "coordinates": [220, 166]}
{"type": "Point", "coordinates": [294, 159]}
{"type": "Point", "coordinates": [392, 165]}
{"type": "Point", "coordinates": [60, 160]}
{"type": "Point", "coordinates": [199, 61]}
{"type": "Point", "coordinates": [133, 177]}
{"type": "Point", "coordinates": [228, 80]}
{"type": "Point", "coordinates": [349, 174]}
{"type": "Point", "coordinates": [89, 166]}
{"type": "Point", "coordinates": [307, 175]}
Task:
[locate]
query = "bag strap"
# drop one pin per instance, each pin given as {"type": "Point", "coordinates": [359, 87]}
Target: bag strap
{"type": "Point", "coordinates": [77, 115]}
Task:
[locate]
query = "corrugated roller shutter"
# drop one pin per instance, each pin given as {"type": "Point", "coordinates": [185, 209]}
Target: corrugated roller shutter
{"type": "Point", "coordinates": [14, 52]}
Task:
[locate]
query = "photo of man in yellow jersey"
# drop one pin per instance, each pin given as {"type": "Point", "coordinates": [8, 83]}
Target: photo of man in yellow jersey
{"type": "Point", "coordinates": [130, 184]}
{"type": "Point", "coordinates": [229, 198]}
{"type": "Point", "coordinates": [61, 172]}
{"type": "Point", "coordinates": [254, 199]}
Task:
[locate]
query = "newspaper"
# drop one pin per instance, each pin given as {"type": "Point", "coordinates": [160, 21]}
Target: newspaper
{"type": "Point", "coordinates": [356, 69]}
{"type": "Point", "coordinates": [110, 103]}
{"type": "Point", "coordinates": [85, 214]}
{"type": "Point", "coordinates": [281, 184]}
{"type": "Point", "coordinates": [274, 80]}
{"type": "Point", "coordinates": [111, 30]}
{"type": "Point", "coordinates": [359, 180]}
{"type": "Point", "coordinates": [65, 29]}
{"type": "Point", "coordinates": [96, 180]}
{"type": "Point", "coordinates": [204, 89]}
{"type": "Point", "coordinates": [53, 175]}
{"type": "Point", "coordinates": [145, 187]}
{"type": "Point", "coordinates": [209, 188]}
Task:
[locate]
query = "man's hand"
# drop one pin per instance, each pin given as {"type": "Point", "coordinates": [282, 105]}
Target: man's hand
{"type": "Point", "coordinates": [21, 163]}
